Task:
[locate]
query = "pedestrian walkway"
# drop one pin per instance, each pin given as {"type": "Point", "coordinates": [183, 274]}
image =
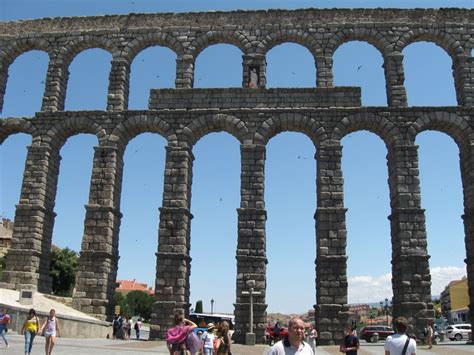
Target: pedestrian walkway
{"type": "Point", "coordinates": [446, 348]}
{"type": "Point", "coordinates": [116, 347]}
{"type": "Point", "coordinates": [68, 346]}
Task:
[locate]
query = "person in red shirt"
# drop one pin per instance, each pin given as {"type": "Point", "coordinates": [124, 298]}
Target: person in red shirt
{"type": "Point", "coordinates": [4, 321]}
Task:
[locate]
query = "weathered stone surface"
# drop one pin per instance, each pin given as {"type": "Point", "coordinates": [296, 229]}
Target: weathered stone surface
{"type": "Point", "coordinates": [253, 115]}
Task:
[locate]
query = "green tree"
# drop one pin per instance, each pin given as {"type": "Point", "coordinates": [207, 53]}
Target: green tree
{"type": "Point", "coordinates": [139, 303]}
{"type": "Point", "coordinates": [437, 308]}
{"type": "Point", "coordinates": [121, 301]}
{"type": "Point", "coordinates": [198, 308]}
{"type": "Point", "coordinates": [63, 270]}
{"type": "Point", "coordinates": [372, 314]}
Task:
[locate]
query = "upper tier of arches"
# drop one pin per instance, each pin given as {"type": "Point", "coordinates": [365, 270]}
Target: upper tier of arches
{"type": "Point", "coordinates": [254, 42]}
{"type": "Point", "coordinates": [64, 53]}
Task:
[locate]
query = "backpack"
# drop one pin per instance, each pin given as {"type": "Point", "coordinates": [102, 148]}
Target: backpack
{"type": "Point", "coordinates": [135, 326]}
{"type": "Point", "coordinates": [425, 331]}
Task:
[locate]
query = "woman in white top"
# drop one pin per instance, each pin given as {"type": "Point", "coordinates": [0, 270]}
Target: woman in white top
{"type": "Point", "coordinates": [208, 339]}
{"type": "Point", "coordinates": [50, 329]}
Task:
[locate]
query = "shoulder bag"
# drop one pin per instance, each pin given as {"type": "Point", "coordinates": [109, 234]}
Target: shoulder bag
{"type": "Point", "coordinates": [404, 351]}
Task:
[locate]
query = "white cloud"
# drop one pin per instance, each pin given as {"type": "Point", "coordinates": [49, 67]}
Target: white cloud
{"type": "Point", "coordinates": [443, 275]}
{"type": "Point", "coordinates": [370, 289]}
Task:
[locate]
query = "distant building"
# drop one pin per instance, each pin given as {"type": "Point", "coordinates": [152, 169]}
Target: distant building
{"type": "Point", "coordinates": [359, 308]}
{"type": "Point", "coordinates": [455, 302]}
{"type": "Point", "coordinates": [125, 286]}
{"type": "Point", "coordinates": [358, 313]}
{"type": "Point", "coordinates": [6, 232]}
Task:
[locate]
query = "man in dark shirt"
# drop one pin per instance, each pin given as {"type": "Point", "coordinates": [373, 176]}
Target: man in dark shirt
{"type": "Point", "coordinates": [351, 342]}
{"type": "Point", "coordinates": [276, 332]}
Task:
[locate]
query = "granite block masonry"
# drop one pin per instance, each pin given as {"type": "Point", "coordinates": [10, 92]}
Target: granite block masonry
{"type": "Point", "coordinates": [253, 114]}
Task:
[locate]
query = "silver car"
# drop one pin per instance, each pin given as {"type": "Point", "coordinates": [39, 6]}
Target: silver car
{"type": "Point", "coordinates": [458, 331]}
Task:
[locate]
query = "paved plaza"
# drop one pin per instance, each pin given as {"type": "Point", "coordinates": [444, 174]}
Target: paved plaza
{"type": "Point", "coordinates": [119, 347]}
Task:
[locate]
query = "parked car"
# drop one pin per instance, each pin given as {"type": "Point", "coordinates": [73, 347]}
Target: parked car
{"type": "Point", "coordinates": [367, 333]}
{"type": "Point", "coordinates": [271, 337]}
{"type": "Point", "coordinates": [458, 331]}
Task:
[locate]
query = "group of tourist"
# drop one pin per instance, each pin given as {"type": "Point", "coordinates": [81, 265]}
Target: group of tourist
{"type": "Point", "coordinates": [182, 339]}
{"type": "Point", "coordinates": [397, 344]}
{"type": "Point", "coordinates": [122, 328]}
{"type": "Point", "coordinates": [298, 342]}
{"type": "Point", "coordinates": [215, 340]}
{"type": "Point", "coordinates": [49, 329]}
{"type": "Point", "coordinates": [31, 327]}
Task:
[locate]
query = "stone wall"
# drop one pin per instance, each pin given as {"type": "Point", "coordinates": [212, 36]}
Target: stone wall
{"type": "Point", "coordinates": [71, 327]}
{"type": "Point", "coordinates": [253, 115]}
{"type": "Point", "coordinates": [243, 98]}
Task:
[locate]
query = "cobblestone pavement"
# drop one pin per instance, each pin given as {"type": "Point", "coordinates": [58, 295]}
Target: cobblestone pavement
{"type": "Point", "coordinates": [119, 347]}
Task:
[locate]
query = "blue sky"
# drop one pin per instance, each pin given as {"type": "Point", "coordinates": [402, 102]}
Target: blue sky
{"type": "Point", "coordinates": [290, 189]}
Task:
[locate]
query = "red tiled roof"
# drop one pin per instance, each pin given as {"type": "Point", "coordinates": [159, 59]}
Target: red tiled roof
{"type": "Point", "coordinates": [132, 285]}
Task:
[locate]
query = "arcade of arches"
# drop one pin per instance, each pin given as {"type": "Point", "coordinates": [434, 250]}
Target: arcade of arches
{"type": "Point", "coordinates": [252, 114]}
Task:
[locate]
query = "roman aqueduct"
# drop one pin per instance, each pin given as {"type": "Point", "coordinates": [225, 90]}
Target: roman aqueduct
{"type": "Point", "coordinates": [253, 115]}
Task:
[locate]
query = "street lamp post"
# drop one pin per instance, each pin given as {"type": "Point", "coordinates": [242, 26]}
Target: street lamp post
{"type": "Point", "coordinates": [250, 336]}
{"type": "Point", "coordinates": [212, 306]}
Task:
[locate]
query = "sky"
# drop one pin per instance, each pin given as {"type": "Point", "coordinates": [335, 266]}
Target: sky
{"type": "Point", "coordinates": [290, 167]}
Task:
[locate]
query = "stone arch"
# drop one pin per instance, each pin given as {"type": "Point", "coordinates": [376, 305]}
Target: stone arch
{"type": "Point", "coordinates": [10, 126]}
{"type": "Point", "coordinates": [141, 42]}
{"type": "Point", "coordinates": [385, 129]}
{"type": "Point", "coordinates": [125, 131]}
{"type": "Point", "coordinates": [67, 127]}
{"type": "Point", "coordinates": [440, 38]}
{"type": "Point", "coordinates": [203, 125]}
{"type": "Point", "coordinates": [297, 36]}
{"type": "Point", "coordinates": [450, 123]}
{"type": "Point", "coordinates": [372, 37]}
{"type": "Point", "coordinates": [290, 122]}
{"type": "Point", "coordinates": [73, 48]}
{"type": "Point", "coordinates": [21, 46]}
{"type": "Point", "coordinates": [220, 37]}
{"type": "Point", "coordinates": [14, 50]}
